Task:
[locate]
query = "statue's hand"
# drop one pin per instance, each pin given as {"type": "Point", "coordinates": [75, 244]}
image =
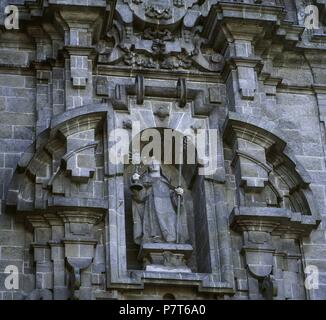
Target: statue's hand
{"type": "Point", "coordinates": [135, 177]}
{"type": "Point", "coordinates": [179, 191]}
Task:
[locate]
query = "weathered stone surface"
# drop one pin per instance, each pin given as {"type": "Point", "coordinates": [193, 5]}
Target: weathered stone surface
{"type": "Point", "coordinates": [250, 229]}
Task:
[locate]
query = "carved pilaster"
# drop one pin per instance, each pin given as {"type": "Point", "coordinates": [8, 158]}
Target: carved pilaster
{"type": "Point", "coordinates": [79, 30]}
{"type": "Point", "coordinates": [60, 285]}
{"type": "Point", "coordinates": [42, 259]}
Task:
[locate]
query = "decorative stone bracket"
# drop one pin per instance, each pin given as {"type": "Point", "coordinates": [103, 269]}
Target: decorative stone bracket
{"type": "Point", "coordinates": [79, 30]}
{"type": "Point", "coordinates": [80, 163]}
{"type": "Point", "coordinates": [80, 59]}
{"type": "Point", "coordinates": [75, 241]}
{"type": "Point", "coordinates": [77, 265]}
{"type": "Point", "coordinates": [246, 74]}
{"type": "Point", "coordinates": [257, 226]}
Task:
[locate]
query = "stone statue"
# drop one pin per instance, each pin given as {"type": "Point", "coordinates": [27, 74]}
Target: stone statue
{"type": "Point", "coordinates": [155, 208]}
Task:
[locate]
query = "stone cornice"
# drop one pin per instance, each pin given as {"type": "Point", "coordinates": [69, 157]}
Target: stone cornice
{"type": "Point", "coordinates": [271, 219]}
{"type": "Point", "coordinates": [319, 88]}
{"type": "Point", "coordinates": [242, 20]}
{"type": "Point", "coordinates": [121, 71]}
{"type": "Point", "coordinates": [250, 11]}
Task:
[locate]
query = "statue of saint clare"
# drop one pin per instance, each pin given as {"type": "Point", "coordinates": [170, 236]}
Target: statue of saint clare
{"type": "Point", "coordinates": [154, 205]}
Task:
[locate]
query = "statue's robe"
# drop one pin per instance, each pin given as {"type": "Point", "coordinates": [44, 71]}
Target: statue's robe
{"type": "Point", "coordinates": [155, 213]}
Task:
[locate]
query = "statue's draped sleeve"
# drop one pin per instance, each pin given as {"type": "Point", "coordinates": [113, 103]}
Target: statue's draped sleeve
{"type": "Point", "coordinates": [138, 206]}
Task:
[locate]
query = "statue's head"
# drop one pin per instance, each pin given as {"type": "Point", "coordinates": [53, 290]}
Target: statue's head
{"type": "Point", "coordinates": [154, 166]}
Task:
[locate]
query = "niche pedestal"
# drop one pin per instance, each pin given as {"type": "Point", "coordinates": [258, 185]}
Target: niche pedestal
{"type": "Point", "coordinates": [165, 257]}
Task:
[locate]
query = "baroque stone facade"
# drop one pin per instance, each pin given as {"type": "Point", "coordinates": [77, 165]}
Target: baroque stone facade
{"type": "Point", "coordinates": [70, 219]}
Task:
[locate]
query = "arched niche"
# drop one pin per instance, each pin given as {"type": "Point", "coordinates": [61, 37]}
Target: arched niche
{"type": "Point", "coordinates": [214, 272]}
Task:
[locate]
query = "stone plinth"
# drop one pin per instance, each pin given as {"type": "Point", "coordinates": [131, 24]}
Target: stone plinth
{"type": "Point", "coordinates": [165, 257]}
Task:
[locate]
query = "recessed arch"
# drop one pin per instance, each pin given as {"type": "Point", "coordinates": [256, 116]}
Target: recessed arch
{"type": "Point", "coordinates": [265, 145]}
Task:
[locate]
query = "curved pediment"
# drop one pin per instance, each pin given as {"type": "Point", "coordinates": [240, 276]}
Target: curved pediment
{"type": "Point", "coordinates": [65, 162]}
{"type": "Point", "coordinates": [266, 171]}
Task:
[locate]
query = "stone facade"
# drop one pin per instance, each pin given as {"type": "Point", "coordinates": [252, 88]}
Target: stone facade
{"type": "Point", "coordinates": [76, 70]}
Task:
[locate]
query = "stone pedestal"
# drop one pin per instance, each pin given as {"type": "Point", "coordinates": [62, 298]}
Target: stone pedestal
{"type": "Point", "coordinates": [165, 257]}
